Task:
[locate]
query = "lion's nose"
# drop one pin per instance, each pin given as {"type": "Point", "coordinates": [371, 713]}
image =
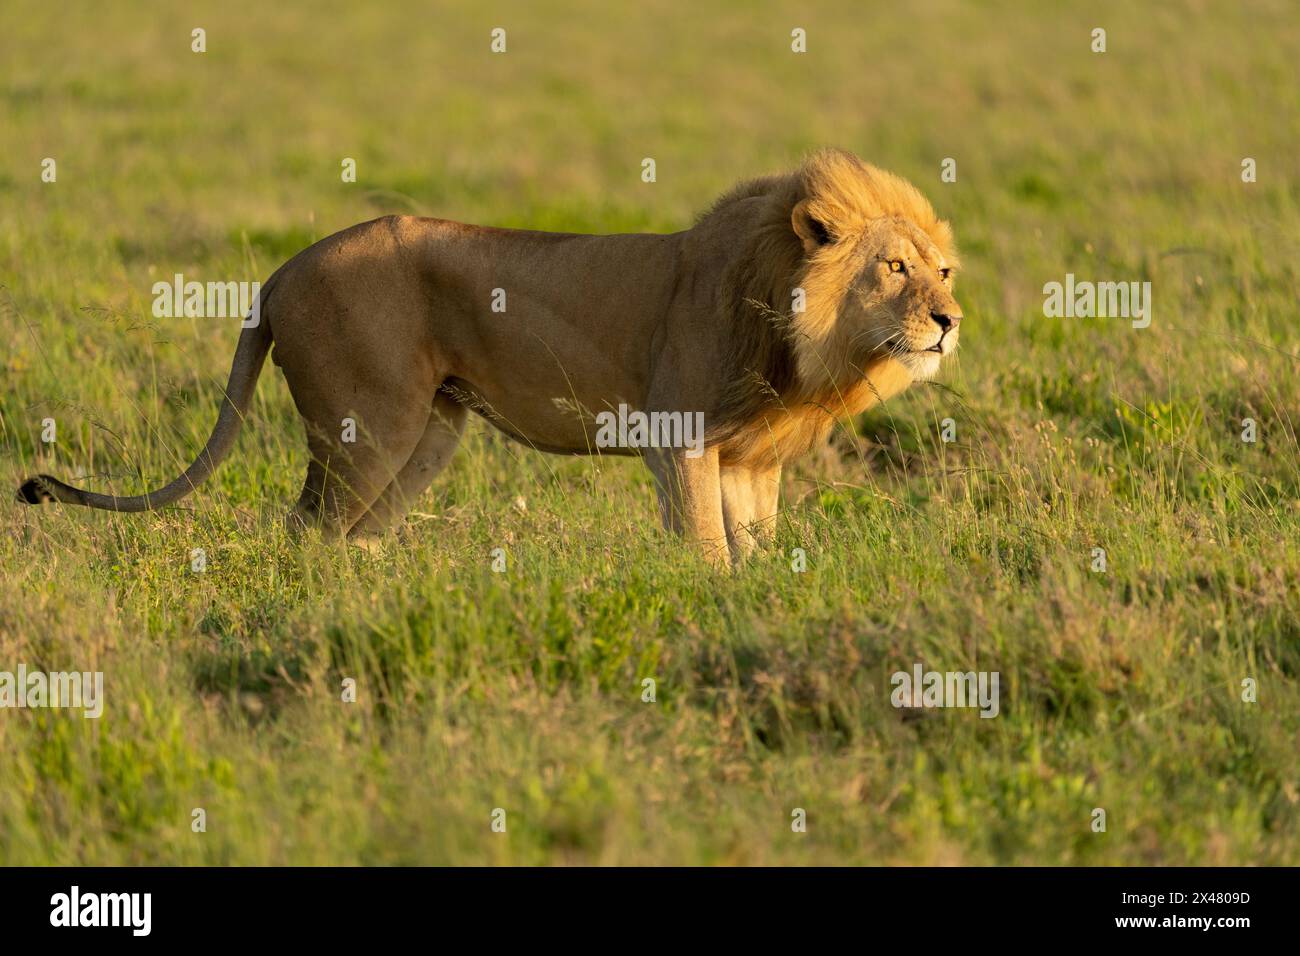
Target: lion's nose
{"type": "Point", "coordinates": [946, 320]}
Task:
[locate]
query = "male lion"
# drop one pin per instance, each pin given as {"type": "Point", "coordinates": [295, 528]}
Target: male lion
{"type": "Point", "coordinates": [796, 299]}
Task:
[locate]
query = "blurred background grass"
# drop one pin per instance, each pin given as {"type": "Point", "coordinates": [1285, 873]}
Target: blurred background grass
{"type": "Point", "coordinates": [523, 690]}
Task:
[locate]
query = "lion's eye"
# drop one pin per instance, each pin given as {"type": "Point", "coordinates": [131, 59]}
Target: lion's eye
{"type": "Point", "coordinates": [896, 265]}
{"type": "Point", "coordinates": [945, 274]}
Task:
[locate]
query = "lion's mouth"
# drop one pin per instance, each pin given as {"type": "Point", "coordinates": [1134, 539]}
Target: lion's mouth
{"type": "Point", "coordinates": [921, 363]}
{"type": "Point", "coordinates": [937, 348]}
{"type": "Point", "coordinates": [899, 347]}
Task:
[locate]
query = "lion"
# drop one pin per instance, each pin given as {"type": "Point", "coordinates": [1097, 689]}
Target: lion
{"type": "Point", "coordinates": [797, 299]}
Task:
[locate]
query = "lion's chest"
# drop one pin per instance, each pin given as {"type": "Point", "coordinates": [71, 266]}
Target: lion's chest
{"type": "Point", "coordinates": [788, 432]}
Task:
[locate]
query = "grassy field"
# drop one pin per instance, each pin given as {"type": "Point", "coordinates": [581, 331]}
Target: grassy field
{"type": "Point", "coordinates": [522, 691]}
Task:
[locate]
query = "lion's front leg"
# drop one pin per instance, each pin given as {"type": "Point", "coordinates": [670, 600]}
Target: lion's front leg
{"type": "Point", "coordinates": [690, 498]}
{"type": "Point", "coordinates": [749, 505]}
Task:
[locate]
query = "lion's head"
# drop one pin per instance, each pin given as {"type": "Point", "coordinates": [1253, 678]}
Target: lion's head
{"type": "Point", "coordinates": [853, 272]}
{"type": "Point", "coordinates": [878, 276]}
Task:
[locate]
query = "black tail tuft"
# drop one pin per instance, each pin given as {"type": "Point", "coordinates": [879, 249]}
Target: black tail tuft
{"type": "Point", "coordinates": [36, 491]}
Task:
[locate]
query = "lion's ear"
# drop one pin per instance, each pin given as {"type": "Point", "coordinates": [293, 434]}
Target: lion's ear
{"type": "Point", "coordinates": [811, 232]}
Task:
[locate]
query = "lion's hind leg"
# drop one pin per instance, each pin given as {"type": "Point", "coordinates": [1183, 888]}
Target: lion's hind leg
{"type": "Point", "coordinates": [431, 456]}
{"type": "Point", "coordinates": [355, 457]}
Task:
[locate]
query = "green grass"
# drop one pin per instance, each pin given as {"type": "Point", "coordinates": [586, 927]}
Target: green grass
{"type": "Point", "coordinates": [523, 690]}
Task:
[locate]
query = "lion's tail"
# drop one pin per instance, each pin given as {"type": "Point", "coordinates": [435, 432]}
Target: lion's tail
{"type": "Point", "coordinates": [250, 353]}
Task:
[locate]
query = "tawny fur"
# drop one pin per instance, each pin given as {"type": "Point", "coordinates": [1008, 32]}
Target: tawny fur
{"type": "Point", "coordinates": [390, 323]}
